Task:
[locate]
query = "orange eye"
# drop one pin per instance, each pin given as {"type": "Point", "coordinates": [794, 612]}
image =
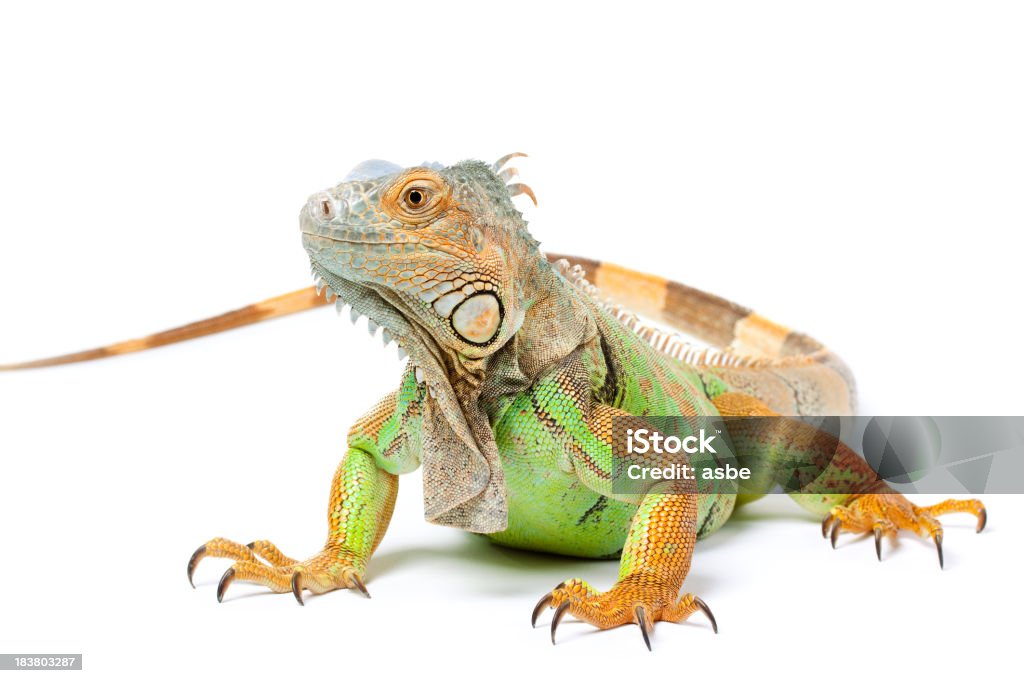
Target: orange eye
{"type": "Point", "coordinates": [416, 198]}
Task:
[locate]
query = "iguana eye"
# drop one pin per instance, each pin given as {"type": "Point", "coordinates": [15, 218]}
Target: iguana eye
{"type": "Point", "coordinates": [326, 209]}
{"type": "Point", "coordinates": [416, 198]}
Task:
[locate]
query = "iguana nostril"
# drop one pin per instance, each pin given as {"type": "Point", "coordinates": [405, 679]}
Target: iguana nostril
{"type": "Point", "coordinates": [324, 208]}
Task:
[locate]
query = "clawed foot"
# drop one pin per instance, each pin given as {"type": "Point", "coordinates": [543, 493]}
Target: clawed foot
{"type": "Point", "coordinates": [325, 571]}
{"type": "Point", "coordinates": [884, 514]}
{"type": "Point", "coordinates": [637, 600]}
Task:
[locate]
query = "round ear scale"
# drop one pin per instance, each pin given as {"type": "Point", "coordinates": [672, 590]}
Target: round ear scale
{"type": "Point", "coordinates": [478, 318]}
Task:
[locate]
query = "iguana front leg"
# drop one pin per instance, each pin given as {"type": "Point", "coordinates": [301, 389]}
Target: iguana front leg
{"type": "Point", "coordinates": [363, 492]}
{"type": "Point", "coordinates": [362, 499]}
{"type": "Point", "coordinates": [657, 553]}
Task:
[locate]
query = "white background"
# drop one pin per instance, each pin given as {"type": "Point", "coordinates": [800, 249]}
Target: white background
{"type": "Point", "coordinates": [853, 171]}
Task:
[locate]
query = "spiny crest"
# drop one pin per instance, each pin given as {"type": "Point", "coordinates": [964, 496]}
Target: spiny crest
{"type": "Point", "coordinates": [671, 343]}
{"type": "Point", "coordinates": [475, 181]}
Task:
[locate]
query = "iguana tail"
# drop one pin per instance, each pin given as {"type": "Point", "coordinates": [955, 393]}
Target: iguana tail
{"type": "Point", "coordinates": [791, 372]}
{"type": "Point", "coordinates": [787, 370]}
{"type": "Point", "coordinates": [286, 304]}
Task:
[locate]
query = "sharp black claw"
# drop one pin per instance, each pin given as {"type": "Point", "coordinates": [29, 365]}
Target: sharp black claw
{"type": "Point", "coordinates": [297, 587]}
{"type": "Point", "coordinates": [359, 585]}
{"type": "Point", "coordinates": [835, 532]}
{"type": "Point", "coordinates": [193, 562]}
{"type": "Point", "coordinates": [225, 581]}
{"type": "Point", "coordinates": [938, 546]}
{"type": "Point", "coordinates": [878, 543]}
{"type": "Point", "coordinates": [707, 611]}
{"type": "Point", "coordinates": [559, 613]}
{"type": "Point", "coordinates": [824, 525]}
{"type": "Point", "coordinates": [641, 619]}
{"type": "Point", "coordinates": [544, 602]}
{"type": "Point", "coordinates": [982, 520]}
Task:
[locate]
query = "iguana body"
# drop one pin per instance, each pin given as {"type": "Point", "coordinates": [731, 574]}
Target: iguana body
{"type": "Point", "coordinates": [517, 371]}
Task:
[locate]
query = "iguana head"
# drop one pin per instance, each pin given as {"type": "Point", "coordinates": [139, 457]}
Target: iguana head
{"type": "Point", "coordinates": [441, 259]}
{"type": "Point", "coordinates": [438, 246]}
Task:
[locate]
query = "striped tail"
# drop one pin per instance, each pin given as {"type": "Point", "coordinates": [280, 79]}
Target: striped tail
{"type": "Point", "coordinates": [286, 304]}
{"type": "Point", "coordinates": [791, 372]}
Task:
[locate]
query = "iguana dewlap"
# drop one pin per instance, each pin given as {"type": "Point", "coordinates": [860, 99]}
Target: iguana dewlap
{"type": "Point", "coordinates": [518, 367]}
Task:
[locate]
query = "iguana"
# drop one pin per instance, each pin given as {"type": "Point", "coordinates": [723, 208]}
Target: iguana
{"type": "Point", "coordinates": [518, 368]}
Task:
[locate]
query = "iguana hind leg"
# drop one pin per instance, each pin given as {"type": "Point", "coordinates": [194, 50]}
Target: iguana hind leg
{"type": "Point", "coordinates": [839, 483]}
{"type": "Point", "coordinates": [885, 514]}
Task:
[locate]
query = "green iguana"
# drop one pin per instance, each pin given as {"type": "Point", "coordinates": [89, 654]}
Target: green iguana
{"type": "Point", "coordinates": [517, 370]}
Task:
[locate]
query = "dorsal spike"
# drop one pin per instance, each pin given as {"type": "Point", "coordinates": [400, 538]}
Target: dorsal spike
{"type": "Point", "coordinates": [516, 189]}
{"type": "Point", "coordinates": [496, 166]}
{"type": "Point", "coordinates": [670, 343]}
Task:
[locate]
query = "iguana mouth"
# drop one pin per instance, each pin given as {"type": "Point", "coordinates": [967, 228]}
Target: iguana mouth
{"type": "Point", "coordinates": [429, 246]}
